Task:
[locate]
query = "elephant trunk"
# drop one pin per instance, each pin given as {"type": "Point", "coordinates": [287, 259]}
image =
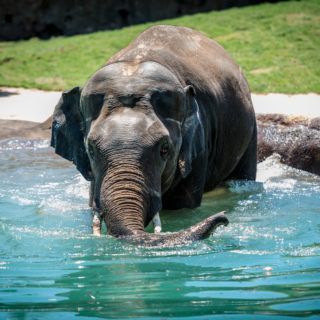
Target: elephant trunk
{"type": "Point", "coordinates": [128, 206]}
{"type": "Point", "coordinates": [123, 200]}
{"type": "Point", "coordinates": [199, 231]}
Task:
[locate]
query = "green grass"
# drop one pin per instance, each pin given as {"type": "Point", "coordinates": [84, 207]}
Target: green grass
{"type": "Point", "coordinates": [277, 46]}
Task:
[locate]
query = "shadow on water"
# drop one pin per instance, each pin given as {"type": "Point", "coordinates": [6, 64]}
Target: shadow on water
{"type": "Point", "coordinates": [264, 265]}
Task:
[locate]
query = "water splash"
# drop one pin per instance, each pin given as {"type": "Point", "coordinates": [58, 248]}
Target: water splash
{"type": "Point", "coordinates": [264, 264]}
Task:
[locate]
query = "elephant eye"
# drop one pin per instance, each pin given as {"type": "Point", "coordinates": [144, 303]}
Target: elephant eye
{"type": "Point", "coordinates": [164, 149]}
{"type": "Point", "coordinates": [90, 149]}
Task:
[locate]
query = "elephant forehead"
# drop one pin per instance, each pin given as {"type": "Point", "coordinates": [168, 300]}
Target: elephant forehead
{"type": "Point", "coordinates": [132, 119]}
{"type": "Point", "coordinates": [134, 124]}
{"type": "Point", "coordinates": [130, 78]}
{"type": "Point", "coordinates": [128, 117]}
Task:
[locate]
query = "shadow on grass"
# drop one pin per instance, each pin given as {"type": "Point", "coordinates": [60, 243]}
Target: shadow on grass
{"type": "Point", "coordinates": [4, 93]}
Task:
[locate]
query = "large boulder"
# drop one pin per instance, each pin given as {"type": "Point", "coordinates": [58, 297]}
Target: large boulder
{"type": "Point", "coordinates": [25, 129]}
{"type": "Point", "coordinates": [295, 139]}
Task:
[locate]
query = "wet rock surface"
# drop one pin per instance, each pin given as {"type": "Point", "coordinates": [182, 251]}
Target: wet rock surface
{"type": "Point", "coordinates": [296, 139]}
{"type": "Point", "coordinates": [25, 129]}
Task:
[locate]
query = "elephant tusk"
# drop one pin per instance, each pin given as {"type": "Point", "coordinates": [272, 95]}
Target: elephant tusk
{"type": "Point", "coordinates": [157, 223]}
{"type": "Point", "coordinates": [96, 224]}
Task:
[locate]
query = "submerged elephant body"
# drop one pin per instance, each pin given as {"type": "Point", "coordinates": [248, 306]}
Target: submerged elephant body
{"type": "Point", "coordinates": [166, 119]}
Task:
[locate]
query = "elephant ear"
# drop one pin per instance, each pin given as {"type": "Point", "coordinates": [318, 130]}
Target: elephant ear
{"type": "Point", "coordinates": [192, 134]}
{"type": "Point", "coordinates": [67, 134]}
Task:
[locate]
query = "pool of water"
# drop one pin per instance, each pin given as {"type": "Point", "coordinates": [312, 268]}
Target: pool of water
{"type": "Point", "coordinates": [264, 265]}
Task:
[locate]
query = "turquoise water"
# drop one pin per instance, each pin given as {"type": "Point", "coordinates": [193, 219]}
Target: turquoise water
{"type": "Point", "coordinates": [264, 265]}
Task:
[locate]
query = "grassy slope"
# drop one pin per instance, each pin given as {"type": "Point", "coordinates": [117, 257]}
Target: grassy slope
{"type": "Point", "coordinates": [277, 46]}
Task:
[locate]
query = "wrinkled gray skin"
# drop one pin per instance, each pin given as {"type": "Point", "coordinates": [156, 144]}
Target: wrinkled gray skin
{"type": "Point", "coordinates": [166, 119]}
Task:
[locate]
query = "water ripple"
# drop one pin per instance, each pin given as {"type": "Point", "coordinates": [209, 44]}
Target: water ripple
{"type": "Point", "coordinates": [264, 265]}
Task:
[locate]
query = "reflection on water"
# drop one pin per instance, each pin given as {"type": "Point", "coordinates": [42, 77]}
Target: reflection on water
{"type": "Point", "coordinates": [264, 265]}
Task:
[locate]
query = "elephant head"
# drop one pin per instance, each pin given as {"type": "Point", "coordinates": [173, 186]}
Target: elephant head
{"type": "Point", "coordinates": [133, 131]}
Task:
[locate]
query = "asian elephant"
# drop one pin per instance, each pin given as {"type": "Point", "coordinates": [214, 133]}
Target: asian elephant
{"type": "Point", "coordinates": [164, 120]}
